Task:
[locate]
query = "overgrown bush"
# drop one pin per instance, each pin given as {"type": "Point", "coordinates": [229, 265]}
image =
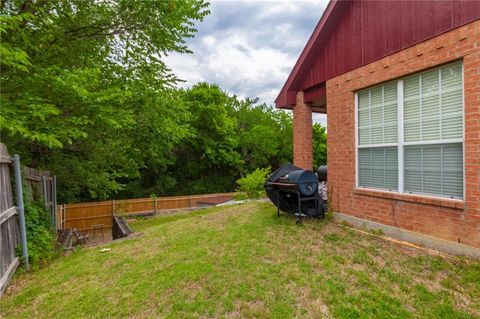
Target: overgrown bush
{"type": "Point", "coordinates": [40, 235]}
{"type": "Point", "coordinates": [252, 184]}
{"type": "Point", "coordinates": [240, 196]}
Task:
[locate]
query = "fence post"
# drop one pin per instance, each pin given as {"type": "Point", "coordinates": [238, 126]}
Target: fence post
{"type": "Point", "coordinates": [57, 227]}
{"type": "Point", "coordinates": [54, 201]}
{"type": "Point", "coordinates": [21, 211]}
{"type": "Point", "coordinates": [190, 201]}
{"type": "Point", "coordinates": [64, 215]}
{"type": "Point", "coordinates": [113, 207]}
{"type": "Point", "coordinates": [156, 205]}
{"type": "Point", "coordinates": [61, 217]}
{"type": "Point", "coordinates": [44, 191]}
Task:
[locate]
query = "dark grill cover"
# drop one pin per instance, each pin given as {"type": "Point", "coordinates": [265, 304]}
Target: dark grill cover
{"type": "Point", "coordinates": [306, 181]}
{"type": "Point", "coordinates": [292, 177]}
{"type": "Point", "coordinates": [322, 173]}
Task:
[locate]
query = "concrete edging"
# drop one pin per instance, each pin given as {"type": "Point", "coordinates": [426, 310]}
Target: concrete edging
{"type": "Point", "coordinates": [439, 244]}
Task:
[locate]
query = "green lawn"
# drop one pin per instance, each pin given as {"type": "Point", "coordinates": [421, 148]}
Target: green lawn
{"type": "Point", "coordinates": [244, 262]}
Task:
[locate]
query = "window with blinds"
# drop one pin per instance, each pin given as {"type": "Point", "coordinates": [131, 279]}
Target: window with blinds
{"type": "Point", "coordinates": [378, 167]}
{"type": "Point", "coordinates": [434, 169]}
{"type": "Point", "coordinates": [377, 129]}
{"type": "Point", "coordinates": [429, 153]}
{"type": "Point", "coordinates": [377, 115]}
{"type": "Point", "coordinates": [433, 104]}
{"type": "Point", "coordinates": [433, 131]}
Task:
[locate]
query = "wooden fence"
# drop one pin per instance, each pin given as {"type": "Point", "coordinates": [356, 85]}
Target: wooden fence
{"type": "Point", "coordinates": [9, 231]}
{"type": "Point", "coordinates": [88, 216]}
{"type": "Point", "coordinates": [41, 186]}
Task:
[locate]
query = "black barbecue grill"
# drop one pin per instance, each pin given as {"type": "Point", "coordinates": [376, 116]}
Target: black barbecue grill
{"type": "Point", "coordinates": [294, 190]}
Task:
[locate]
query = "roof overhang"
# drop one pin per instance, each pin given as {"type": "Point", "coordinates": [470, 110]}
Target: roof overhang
{"type": "Point", "coordinates": [286, 97]}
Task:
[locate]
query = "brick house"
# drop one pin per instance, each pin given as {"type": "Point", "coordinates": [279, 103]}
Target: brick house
{"type": "Point", "coordinates": [400, 84]}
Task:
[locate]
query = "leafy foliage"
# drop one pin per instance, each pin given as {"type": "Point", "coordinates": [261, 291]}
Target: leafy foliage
{"type": "Point", "coordinates": [252, 184]}
{"type": "Point", "coordinates": [79, 79]}
{"type": "Point", "coordinates": [265, 135]}
{"type": "Point", "coordinates": [86, 95]}
{"type": "Point", "coordinates": [217, 139]}
{"type": "Point", "coordinates": [319, 145]}
{"type": "Point", "coordinates": [204, 160]}
{"type": "Point", "coordinates": [40, 236]}
{"type": "Point", "coordinates": [13, 57]}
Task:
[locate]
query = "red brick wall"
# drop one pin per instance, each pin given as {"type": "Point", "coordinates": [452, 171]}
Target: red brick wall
{"type": "Point", "coordinates": [302, 134]}
{"type": "Point", "coordinates": [455, 220]}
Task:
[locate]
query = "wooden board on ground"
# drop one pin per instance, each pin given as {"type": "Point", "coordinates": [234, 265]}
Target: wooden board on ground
{"type": "Point", "coordinates": [120, 228]}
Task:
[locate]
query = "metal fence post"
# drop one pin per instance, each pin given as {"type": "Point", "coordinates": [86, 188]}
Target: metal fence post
{"type": "Point", "coordinates": [20, 208]}
{"type": "Point", "coordinates": [54, 201]}
{"type": "Point", "coordinates": [44, 191]}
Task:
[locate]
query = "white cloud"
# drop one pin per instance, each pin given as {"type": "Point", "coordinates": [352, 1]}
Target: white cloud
{"type": "Point", "coordinates": [209, 40]}
{"type": "Point", "coordinates": [248, 48]}
{"type": "Point", "coordinates": [320, 118]}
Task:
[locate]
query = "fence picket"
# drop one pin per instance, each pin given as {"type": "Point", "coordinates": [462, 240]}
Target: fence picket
{"type": "Point", "coordinates": [9, 239]}
{"type": "Point", "coordinates": [84, 216]}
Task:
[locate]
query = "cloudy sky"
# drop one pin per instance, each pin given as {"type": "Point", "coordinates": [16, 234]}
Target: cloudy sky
{"type": "Point", "coordinates": [249, 47]}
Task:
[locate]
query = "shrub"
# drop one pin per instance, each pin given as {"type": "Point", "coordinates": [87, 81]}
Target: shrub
{"type": "Point", "coordinates": [252, 184]}
{"type": "Point", "coordinates": [240, 196]}
{"type": "Point", "coordinates": [40, 235]}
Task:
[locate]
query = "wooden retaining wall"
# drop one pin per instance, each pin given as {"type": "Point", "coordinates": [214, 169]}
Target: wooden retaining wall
{"type": "Point", "coordinates": [87, 216]}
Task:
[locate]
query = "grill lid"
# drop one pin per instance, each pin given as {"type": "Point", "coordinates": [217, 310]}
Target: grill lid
{"type": "Point", "coordinates": [293, 177]}
{"type": "Point", "coordinates": [305, 181]}
{"type": "Point", "coordinates": [290, 177]}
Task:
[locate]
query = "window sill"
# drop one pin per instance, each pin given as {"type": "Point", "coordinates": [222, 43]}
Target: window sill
{"type": "Point", "coordinates": [422, 199]}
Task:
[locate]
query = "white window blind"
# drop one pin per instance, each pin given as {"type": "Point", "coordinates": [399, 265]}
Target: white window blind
{"type": "Point", "coordinates": [431, 104]}
{"type": "Point", "coordinates": [433, 111]}
{"type": "Point", "coordinates": [377, 115]}
{"type": "Point", "coordinates": [378, 126]}
{"type": "Point", "coordinates": [378, 167]}
{"type": "Point", "coordinates": [434, 169]}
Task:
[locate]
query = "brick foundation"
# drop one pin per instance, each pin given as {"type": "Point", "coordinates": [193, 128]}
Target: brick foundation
{"type": "Point", "coordinates": [302, 134]}
{"type": "Point", "coordinates": [454, 220]}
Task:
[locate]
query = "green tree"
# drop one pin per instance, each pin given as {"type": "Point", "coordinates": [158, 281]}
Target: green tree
{"type": "Point", "coordinates": [207, 161]}
{"type": "Point", "coordinates": [163, 124]}
{"type": "Point", "coordinates": [222, 139]}
{"type": "Point", "coordinates": [264, 134]}
{"type": "Point", "coordinates": [82, 83]}
{"type": "Point", "coordinates": [230, 138]}
{"type": "Point", "coordinates": [85, 94]}
{"type": "Point", "coordinates": [319, 145]}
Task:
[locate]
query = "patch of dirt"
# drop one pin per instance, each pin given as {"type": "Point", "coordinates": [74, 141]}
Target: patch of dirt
{"type": "Point", "coordinates": [379, 260]}
{"type": "Point", "coordinates": [465, 303]}
{"type": "Point", "coordinates": [357, 267]}
{"type": "Point", "coordinates": [434, 285]}
{"type": "Point", "coordinates": [16, 285]}
{"type": "Point", "coordinates": [315, 308]}
{"type": "Point", "coordinates": [233, 314]}
{"type": "Point", "coordinates": [250, 307]}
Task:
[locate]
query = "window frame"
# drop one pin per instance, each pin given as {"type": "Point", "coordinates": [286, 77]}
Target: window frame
{"type": "Point", "coordinates": [373, 145]}
{"type": "Point", "coordinates": [401, 144]}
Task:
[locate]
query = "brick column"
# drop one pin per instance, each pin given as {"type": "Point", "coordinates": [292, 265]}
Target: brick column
{"type": "Point", "coordinates": [302, 134]}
